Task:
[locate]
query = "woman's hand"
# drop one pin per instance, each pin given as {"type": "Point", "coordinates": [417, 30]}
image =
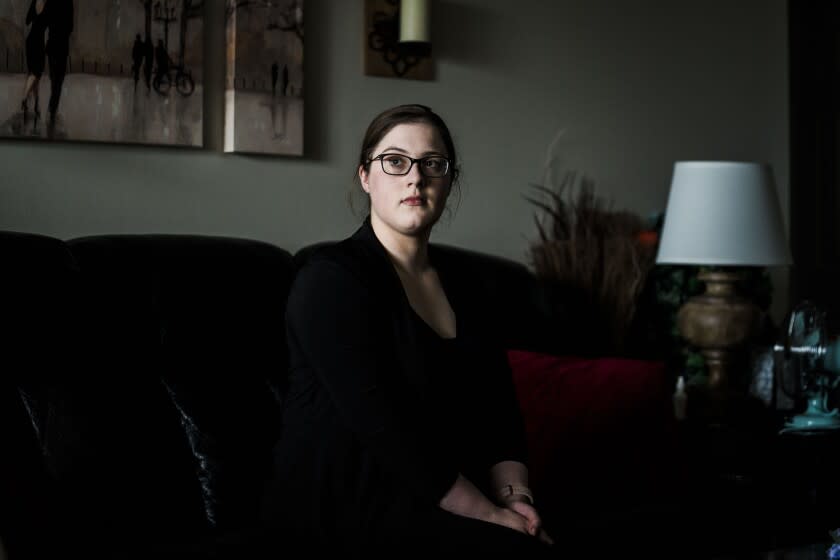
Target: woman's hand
{"type": "Point", "coordinates": [465, 499]}
{"type": "Point", "coordinates": [524, 509]}
{"type": "Point", "coordinates": [509, 518]}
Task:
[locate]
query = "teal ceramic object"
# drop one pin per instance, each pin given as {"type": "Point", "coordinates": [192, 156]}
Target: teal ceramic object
{"type": "Point", "coordinates": [817, 361]}
{"type": "Point", "coordinates": [815, 417]}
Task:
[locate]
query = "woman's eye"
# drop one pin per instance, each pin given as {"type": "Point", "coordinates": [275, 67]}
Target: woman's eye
{"type": "Point", "coordinates": [394, 162]}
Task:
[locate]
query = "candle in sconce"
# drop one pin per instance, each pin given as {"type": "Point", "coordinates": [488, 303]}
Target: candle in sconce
{"type": "Point", "coordinates": [414, 21]}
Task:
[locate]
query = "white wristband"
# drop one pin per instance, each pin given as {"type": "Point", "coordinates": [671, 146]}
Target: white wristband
{"type": "Point", "coordinates": [509, 490]}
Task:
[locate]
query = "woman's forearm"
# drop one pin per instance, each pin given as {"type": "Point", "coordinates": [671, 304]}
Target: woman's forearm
{"type": "Point", "coordinates": [464, 498]}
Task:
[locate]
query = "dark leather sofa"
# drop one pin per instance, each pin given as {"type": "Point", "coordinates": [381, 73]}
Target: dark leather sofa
{"type": "Point", "coordinates": [142, 381]}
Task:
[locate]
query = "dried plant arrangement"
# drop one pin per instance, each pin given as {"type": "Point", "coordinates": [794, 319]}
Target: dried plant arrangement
{"type": "Point", "coordinates": [591, 258]}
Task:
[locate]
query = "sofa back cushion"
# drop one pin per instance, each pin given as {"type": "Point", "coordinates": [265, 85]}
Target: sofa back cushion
{"type": "Point", "coordinates": [108, 463]}
{"type": "Point", "coordinates": [140, 388]}
{"type": "Point", "coordinates": [200, 319]}
{"type": "Point", "coordinates": [40, 283]}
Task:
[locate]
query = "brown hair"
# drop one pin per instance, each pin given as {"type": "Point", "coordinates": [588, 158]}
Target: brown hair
{"type": "Point", "coordinates": [405, 114]}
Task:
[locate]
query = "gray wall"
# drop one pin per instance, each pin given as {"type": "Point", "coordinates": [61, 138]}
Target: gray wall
{"type": "Point", "coordinates": [634, 85]}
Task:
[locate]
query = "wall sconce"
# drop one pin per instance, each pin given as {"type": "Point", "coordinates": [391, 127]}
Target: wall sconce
{"type": "Point", "coordinates": [397, 39]}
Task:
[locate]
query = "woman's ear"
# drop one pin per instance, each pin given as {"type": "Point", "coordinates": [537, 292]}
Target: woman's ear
{"type": "Point", "coordinates": [363, 179]}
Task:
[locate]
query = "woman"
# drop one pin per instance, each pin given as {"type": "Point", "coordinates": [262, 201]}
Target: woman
{"type": "Point", "coordinates": [36, 18]}
{"type": "Point", "coordinates": [401, 429]}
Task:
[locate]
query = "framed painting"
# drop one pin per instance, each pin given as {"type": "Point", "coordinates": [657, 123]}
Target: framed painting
{"type": "Point", "coordinates": [126, 71]}
{"type": "Point", "coordinates": [264, 79]}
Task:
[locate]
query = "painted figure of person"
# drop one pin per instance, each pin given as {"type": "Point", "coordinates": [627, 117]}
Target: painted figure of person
{"type": "Point", "coordinates": [60, 26]}
{"type": "Point", "coordinates": [161, 61]}
{"type": "Point", "coordinates": [148, 62]}
{"type": "Point", "coordinates": [136, 59]}
{"type": "Point", "coordinates": [36, 19]}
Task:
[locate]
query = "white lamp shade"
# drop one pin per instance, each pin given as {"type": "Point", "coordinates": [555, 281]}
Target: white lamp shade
{"type": "Point", "coordinates": [723, 213]}
{"type": "Point", "coordinates": [414, 21]}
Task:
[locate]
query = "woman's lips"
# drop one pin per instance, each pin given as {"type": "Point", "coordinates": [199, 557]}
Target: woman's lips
{"type": "Point", "coordinates": [414, 201]}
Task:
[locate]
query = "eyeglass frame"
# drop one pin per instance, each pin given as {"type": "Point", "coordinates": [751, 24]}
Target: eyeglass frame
{"type": "Point", "coordinates": [413, 161]}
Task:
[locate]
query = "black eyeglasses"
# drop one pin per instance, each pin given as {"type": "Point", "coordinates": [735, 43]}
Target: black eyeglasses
{"type": "Point", "coordinates": [399, 164]}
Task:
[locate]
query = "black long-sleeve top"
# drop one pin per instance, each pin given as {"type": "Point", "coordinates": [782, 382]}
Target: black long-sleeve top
{"type": "Point", "coordinates": [381, 413]}
{"type": "Point", "coordinates": [61, 23]}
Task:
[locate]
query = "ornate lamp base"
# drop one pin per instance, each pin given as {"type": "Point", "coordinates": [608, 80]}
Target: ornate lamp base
{"type": "Point", "coordinates": [718, 322]}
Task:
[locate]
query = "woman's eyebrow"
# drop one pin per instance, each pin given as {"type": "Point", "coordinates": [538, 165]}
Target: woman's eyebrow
{"type": "Point", "coordinates": [426, 153]}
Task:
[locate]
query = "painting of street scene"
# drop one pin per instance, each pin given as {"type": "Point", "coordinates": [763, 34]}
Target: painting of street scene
{"type": "Point", "coordinates": [264, 79]}
{"type": "Point", "coordinates": [126, 71]}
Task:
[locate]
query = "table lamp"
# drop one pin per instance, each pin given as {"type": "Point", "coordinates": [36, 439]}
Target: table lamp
{"type": "Point", "coordinates": [721, 215]}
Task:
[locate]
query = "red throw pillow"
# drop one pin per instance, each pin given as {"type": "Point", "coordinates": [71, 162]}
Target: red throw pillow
{"type": "Point", "coordinates": [597, 429]}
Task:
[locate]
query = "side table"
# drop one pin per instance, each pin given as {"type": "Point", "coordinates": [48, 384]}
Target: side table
{"type": "Point", "coordinates": [808, 471]}
{"type": "Point", "coordinates": [759, 488]}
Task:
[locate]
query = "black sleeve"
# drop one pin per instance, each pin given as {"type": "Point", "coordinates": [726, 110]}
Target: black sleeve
{"type": "Point", "coordinates": [331, 318]}
{"type": "Point", "coordinates": [506, 434]}
{"type": "Point", "coordinates": [500, 431]}
{"type": "Point", "coordinates": [30, 15]}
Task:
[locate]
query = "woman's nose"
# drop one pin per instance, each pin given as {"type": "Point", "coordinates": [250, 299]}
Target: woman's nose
{"type": "Point", "coordinates": [414, 174]}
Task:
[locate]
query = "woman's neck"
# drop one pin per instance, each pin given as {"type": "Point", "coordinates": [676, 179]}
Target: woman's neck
{"type": "Point", "coordinates": [409, 253]}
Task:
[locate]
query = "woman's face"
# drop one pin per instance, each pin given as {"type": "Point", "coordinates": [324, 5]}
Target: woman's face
{"type": "Point", "coordinates": [408, 204]}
